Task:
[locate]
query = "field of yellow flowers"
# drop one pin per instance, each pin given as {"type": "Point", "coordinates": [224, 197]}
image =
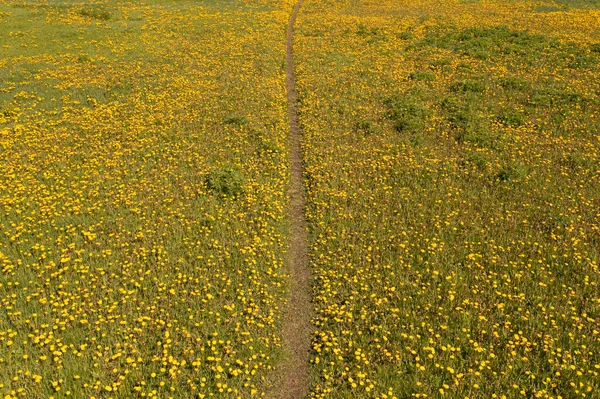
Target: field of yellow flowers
{"type": "Point", "coordinates": [452, 166]}
{"type": "Point", "coordinates": [453, 171]}
{"type": "Point", "coordinates": [143, 177]}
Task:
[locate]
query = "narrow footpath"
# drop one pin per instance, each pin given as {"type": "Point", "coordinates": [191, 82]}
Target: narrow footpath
{"type": "Point", "coordinates": [293, 381]}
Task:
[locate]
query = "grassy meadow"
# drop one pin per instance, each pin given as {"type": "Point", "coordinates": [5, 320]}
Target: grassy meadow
{"type": "Point", "coordinates": [143, 177]}
{"type": "Point", "coordinates": [453, 171]}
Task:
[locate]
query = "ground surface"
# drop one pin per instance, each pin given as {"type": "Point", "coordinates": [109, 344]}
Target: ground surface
{"type": "Point", "coordinates": [296, 329]}
{"type": "Point", "coordinates": [149, 212]}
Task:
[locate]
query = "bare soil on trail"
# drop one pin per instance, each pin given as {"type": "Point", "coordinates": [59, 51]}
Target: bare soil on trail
{"type": "Point", "coordinates": [293, 381]}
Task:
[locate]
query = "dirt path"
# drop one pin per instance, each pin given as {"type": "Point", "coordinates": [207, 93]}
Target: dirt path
{"type": "Point", "coordinates": [293, 378]}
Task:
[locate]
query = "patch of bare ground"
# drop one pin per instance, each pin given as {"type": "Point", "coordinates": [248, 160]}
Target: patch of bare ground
{"type": "Point", "coordinates": [293, 381]}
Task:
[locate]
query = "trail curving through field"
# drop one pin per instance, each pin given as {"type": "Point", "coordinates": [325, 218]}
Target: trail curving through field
{"type": "Point", "coordinates": [293, 379]}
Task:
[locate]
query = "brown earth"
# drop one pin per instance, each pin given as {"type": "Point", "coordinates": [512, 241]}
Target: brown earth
{"type": "Point", "coordinates": [293, 381]}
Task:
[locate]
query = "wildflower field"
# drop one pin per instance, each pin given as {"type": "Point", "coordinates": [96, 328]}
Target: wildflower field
{"type": "Point", "coordinates": [453, 171]}
{"type": "Point", "coordinates": [451, 155]}
{"type": "Point", "coordinates": [142, 198]}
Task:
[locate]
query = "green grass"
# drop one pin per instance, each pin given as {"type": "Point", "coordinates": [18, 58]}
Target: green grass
{"type": "Point", "coordinates": [455, 246]}
{"type": "Point", "coordinates": [451, 166]}
{"type": "Point", "coordinates": [142, 200]}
